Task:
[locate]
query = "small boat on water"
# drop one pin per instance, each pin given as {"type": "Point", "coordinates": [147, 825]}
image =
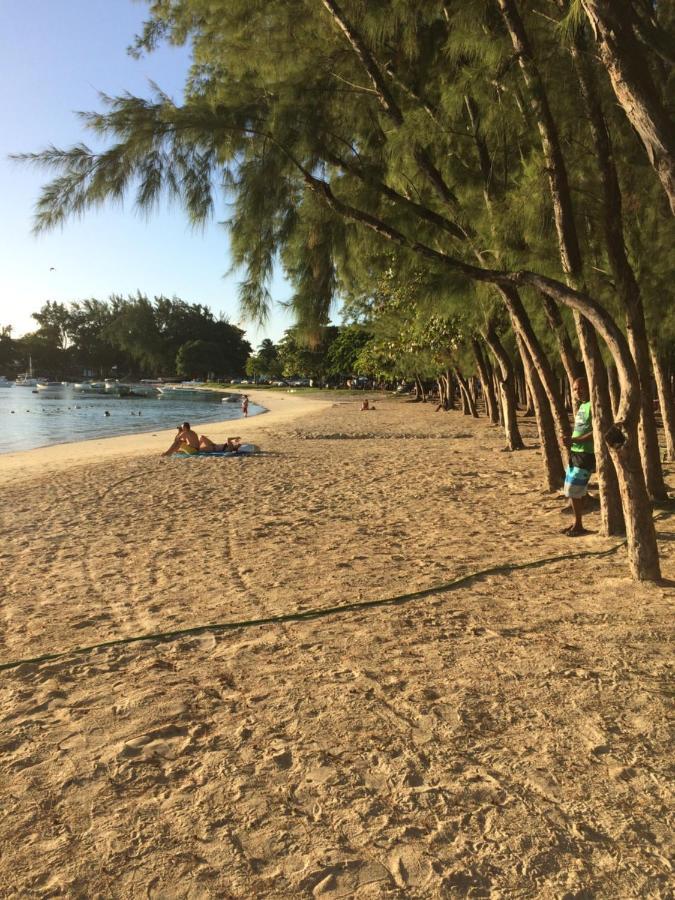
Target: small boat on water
{"type": "Point", "coordinates": [52, 390]}
{"type": "Point", "coordinates": [182, 392]}
{"type": "Point", "coordinates": [90, 387]}
{"type": "Point", "coordinates": [5, 382]}
{"type": "Point", "coordinates": [140, 390]}
{"type": "Point", "coordinates": [27, 379]}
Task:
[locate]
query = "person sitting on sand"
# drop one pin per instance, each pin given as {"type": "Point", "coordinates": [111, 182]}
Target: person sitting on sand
{"type": "Point", "coordinates": [366, 406]}
{"type": "Point", "coordinates": [186, 441]}
{"type": "Point", "coordinates": [582, 458]}
{"type": "Point", "coordinates": [231, 445]}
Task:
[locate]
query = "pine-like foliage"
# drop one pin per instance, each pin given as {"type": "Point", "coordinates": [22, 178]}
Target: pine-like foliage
{"type": "Point", "coordinates": [336, 129]}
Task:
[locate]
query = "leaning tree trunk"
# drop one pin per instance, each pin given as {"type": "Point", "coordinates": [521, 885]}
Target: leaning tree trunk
{"type": "Point", "coordinates": [568, 357]}
{"type": "Point", "coordinates": [451, 389]}
{"type": "Point", "coordinates": [613, 384]}
{"type": "Point", "coordinates": [468, 404]}
{"type": "Point", "coordinates": [666, 403]}
{"type": "Point", "coordinates": [643, 553]}
{"type": "Point", "coordinates": [570, 255]}
{"type": "Point", "coordinates": [420, 394]}
{"type": "Point", "coordinates": [498, 395]}
{"type": "Point", "coordinates": [554, 472]}
{"type": "Point", "coordinates": [442, 392]}
{"type": "Point", "coordinates": [522, 326]}
{"type": "Point", "coordinates": [621, 436]}
{"type": "Point", "coordinates": [486, 382]}
{"type": "Point", "coordinates": [611, 511]}
{"type": "Point", "coordinates": [507, 392]}
{"type": "Point", "coordinates": [626, 284]}
{"type": "Point", "coordinates": [623, 57]}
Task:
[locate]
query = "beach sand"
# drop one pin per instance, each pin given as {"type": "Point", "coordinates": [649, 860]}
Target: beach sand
{"type": "Point", "coordinates": [503, 738]}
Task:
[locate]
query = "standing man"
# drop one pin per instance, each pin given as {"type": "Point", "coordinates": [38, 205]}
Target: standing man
{"type": "Point", "coordinates": [244, 405]}
{"type": "Point", "coordinates": [582, 458]}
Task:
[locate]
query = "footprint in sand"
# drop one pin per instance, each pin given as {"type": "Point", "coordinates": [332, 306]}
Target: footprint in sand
{"type": "Point", "coordinates": [167, 742]}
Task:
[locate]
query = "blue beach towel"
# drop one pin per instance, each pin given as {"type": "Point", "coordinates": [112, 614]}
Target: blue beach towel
{"type": "Point", "coordinates": [244, 450]}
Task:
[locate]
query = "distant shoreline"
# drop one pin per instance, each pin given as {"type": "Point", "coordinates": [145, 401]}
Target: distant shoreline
{"type": "Point", "coordinates": [277, 407]}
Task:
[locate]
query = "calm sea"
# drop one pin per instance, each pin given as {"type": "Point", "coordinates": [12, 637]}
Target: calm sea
{"type": "Point", "coordinates": [28, 420]}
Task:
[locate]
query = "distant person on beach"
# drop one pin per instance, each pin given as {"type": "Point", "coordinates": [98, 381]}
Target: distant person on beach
{"type": "Point", "coordinates": [231, 445]}
{"type": "Point", "coordinates": [366, 406]}
{"type": "Point", "coordinates": [186, 441]}
{"type": "Point", "coordinates": [244, 405]}
{"type": "Point", "coordinates": [582, 458]}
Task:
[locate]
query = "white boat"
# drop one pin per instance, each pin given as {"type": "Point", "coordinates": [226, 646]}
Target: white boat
{"type": "Point", "coordinates": [5, 382]}
{"type": "Point", "coordinates": [90, 387]}
{"type": "Point", "coordinates": [51, 390]}
{"type": "Point", "coordinates": [27, 379]}
{"type": "Point", "coordinates": [179, 392]}
{"type": "Point", "coordinates": [141, 390]}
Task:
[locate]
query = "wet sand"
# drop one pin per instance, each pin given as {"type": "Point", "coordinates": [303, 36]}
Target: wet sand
{"type": "Point", "coordinates": [503, 738]}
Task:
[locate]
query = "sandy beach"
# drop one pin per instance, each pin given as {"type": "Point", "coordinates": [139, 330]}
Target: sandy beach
{"type": "Point", "coordinates": [504, 736]}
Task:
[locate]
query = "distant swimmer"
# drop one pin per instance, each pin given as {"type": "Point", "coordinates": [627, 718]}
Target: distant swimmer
{"type": "Point", "coordinates": [106, 413]}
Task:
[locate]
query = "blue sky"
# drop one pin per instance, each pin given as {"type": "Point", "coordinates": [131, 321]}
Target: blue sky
{"type": "Point", "coordinates": [55, 56]}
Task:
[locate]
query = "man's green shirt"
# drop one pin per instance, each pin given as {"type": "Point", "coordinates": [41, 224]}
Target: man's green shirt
{"type": "Point", "coordinates": [582, 424]}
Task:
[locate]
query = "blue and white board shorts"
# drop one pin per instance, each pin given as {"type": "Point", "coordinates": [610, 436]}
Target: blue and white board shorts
{"type": "Point", "coordinates": [576, 481]}
{"type": "Point", "coordinates": [579, 471]}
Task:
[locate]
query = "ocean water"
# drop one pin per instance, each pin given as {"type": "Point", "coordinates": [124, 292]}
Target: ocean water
{"type": "Point", "coordinates": [28, 420]}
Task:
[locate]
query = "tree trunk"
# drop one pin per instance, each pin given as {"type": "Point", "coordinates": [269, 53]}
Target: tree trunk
{"type": "Point", "coordinates": [621, 436]}
{"type": "Point", "coordinates": [666, 403]}
{"type": "Point", "coordinates": [468, 404]}
{"type": "Point", "coordinates": [442, 393]}
{"type": "Point", "coordinates": [611, 512]}
{"type": "Point", "coordinates": [486, 382]}
{"type": "Point", "coordinates": [506, 381]}
{"type": "Point", "coordinates": [498, 395]}
{"type": "Point", "coordinates": [613, 384]}
{"type": "Point", "coordinates": [522, 326]}
{"type": "Point", "coordinates": [554, 472]}
{"type": "Point", "coordinates": [643, 554]}
{"type": "Point", "coordinates": [565, 347]}
{"type": "Point", "coordinates": [626, 284]}
{"type": "Point", "coordinates": [420, 394]}
{"type": "Point", "coordinates": [627, 65]}
{"type": "Point", "coordinates": [450, 389]}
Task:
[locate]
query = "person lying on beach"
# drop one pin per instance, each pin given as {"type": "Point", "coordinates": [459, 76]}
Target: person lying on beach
{"type": "Point", "coordinates": [231, 445]}
{"type": "Point", "coordinates": [186, 441]}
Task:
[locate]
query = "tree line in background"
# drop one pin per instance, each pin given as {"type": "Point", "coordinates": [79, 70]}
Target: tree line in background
{"type": "Point", "coordinates": [489, 183]}
{"type": "Point", "coordinates": [131, 337]}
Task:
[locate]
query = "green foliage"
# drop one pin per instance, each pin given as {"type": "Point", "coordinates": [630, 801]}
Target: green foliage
{"type": "Point", "coordinates": [199, 359]}
{"type": "Point", "coordinates": [343, 353]}
{"type": "Point", "coordinates": [390, 138]}
{"type": "Point", "coordinates": [134, 336]}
